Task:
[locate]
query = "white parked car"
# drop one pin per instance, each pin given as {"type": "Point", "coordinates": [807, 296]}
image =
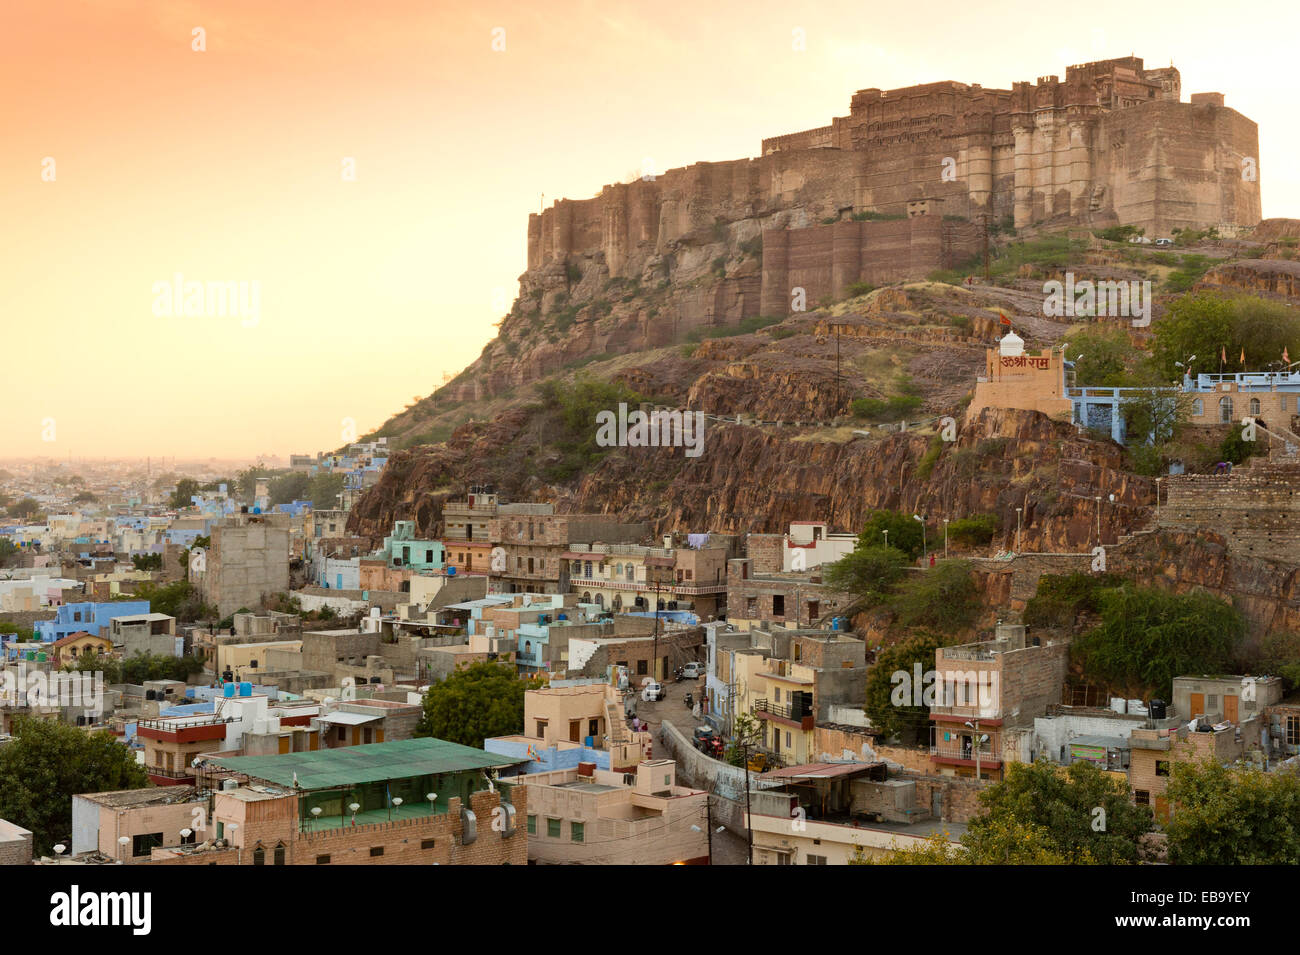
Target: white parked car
{"type": "Point", "coordinates": [652, 691]}
{"type": "Point", "coordinates": [692, 671]}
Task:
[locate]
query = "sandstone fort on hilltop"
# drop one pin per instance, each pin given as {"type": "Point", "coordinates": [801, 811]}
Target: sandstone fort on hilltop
{"type": "Point", "coordinates": [1112, 143]}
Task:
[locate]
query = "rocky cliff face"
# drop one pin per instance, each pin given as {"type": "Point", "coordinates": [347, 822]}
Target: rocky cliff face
{"type": "Point", "coordinates": [759, 479]}
{"type": "Point", "coordinates": [1267, 592]}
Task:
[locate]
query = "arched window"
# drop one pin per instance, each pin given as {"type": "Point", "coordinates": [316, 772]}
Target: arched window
{"type": "Point", "coordinates": [1198, 407]}
{"type": "Point", "coordinates": [600, 601]}
{"type": "Point", "coordinates": [617, 605]}
{"type": "Point", "coordinates": [259, 856]}
{"type": "Point", "coordinates": [1225, 410]}
{"type": "Point", "coordinates": [586, 596]}
{"type": "Point", "coordinates": [1254, 406]}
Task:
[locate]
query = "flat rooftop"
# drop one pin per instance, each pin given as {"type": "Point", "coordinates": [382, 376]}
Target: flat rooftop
{"type": "Point", "coordinates": [134, 798]}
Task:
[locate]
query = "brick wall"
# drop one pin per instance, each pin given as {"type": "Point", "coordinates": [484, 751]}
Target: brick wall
{"type": "Point", "coordinates": [403, 842]}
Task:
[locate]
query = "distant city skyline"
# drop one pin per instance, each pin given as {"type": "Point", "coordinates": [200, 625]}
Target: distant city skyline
{"type": "Point", "coordinates": [364, 175]}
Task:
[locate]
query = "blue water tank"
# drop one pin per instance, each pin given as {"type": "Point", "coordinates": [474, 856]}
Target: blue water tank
{"type": "Point", "coordinates": [589, 742]}
{"type": "Point", "coordinates": [451, 571]}
{"type": "Point", "coordinates": [563, 616]}
{"type": "Point", "coordinates": [228, 691]}
{"type": "Point", "coordinates": [245, 689]}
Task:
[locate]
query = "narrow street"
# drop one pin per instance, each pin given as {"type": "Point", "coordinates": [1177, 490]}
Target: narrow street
{"type": "Point", "coordinates": [729, 848]}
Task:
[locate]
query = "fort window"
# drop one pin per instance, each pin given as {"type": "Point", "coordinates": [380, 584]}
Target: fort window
{"type": "Point", "coordinates": [1225, 410]}
{"type": "Point", "coordinates": [322, 860]}
{"type": "Point", "coordinates": [778, 606]}
{"type": "Point", "coordinates": [1254, 406]}
{"type": "Point", "coordinates": [1198, 407]}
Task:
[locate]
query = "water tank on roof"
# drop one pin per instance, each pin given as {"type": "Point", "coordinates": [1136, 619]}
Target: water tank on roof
{"type": "Point", "coordinates": [41, 657]}
{"type": "Point", "coordinates": [1159, 709]}
{"type": "Point", "coordinates": [245, 689]}
{"type": "Point", "coordinates": [150, 695]}
{"type": "Point", "coordinates": [563, 616]}
{"type": "Point", "coordinates": [589, 742]}
{"type": "Point", "coordinates": [451, 571]}
{"type": "Point", "coordinates": [228, 691]}
{"type": "Point", "coordinates": [229, 784]}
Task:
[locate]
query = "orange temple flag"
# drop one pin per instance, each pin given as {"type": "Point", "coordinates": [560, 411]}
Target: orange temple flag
{"type": "Point", "coordinates": [1243, 356]}
{"type": "Point", "coordinates": [1223, 354]}
{"type": "Point", "coordinates": [1005, 320]}
{"type": "Point", "coordinates": [1285, 357]}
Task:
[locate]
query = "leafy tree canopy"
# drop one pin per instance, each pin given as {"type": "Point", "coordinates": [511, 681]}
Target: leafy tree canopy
{"type": "Point", "coordinates": [1147, 637]}
{"type": "Point", "coordinates": [475, 703]}
{"type": "Point", "coordinates": [1233, 815]}
{"type": "Point", "coordinates": [49, 763]}
{"type": "Point", "coordinates": [1065, 804]}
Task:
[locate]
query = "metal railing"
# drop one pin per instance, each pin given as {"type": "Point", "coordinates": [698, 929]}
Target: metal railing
{"type": "Point", "coordinates": [787, 711]}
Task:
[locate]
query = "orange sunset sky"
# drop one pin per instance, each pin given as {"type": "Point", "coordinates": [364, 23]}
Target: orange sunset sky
{"type": "Point", "coordinates": [227, 164]}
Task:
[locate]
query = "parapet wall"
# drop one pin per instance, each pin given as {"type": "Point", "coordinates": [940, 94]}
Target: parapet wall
{"type": "Point", "coordinates": [1255, 508]}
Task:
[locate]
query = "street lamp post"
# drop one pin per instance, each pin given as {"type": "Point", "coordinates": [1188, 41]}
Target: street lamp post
{"type": "Point", "coordinates": [1098, 499]}
{"type": "Point", "coordinates": [886, 537]}
{"type": "Point", "coordinates": [924, 551]}
{"type": "Point", "coordinates": [1158, 480]}
{"type": "Point", "coordinates": [1019, 513]}
{"type": "Point", "coordinates": [945, 538]}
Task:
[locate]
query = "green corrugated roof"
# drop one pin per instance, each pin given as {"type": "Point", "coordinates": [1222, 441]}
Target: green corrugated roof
{"type": "Point", "coordinates": [351, 765]}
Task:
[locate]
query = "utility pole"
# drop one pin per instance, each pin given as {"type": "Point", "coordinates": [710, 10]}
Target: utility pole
{"type": "Point", "coordinates": [749, 816]}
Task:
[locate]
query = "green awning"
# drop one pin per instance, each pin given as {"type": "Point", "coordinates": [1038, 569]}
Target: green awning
{"type": "Point", "coordinates": [373, 762]}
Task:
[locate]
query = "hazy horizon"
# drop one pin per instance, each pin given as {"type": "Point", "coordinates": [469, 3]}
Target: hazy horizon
{"type": "Point", "coordinates": [227, 165]}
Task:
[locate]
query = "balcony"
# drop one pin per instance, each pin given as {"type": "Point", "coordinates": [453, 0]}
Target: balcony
{"type": "Point", "coordinates": [989, 755]}
{"type": "Point", "coordinates": [788, 713]}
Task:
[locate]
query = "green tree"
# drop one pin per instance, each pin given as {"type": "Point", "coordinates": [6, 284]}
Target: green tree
{"type": "Point", "coordinates": [1003, 842]}
{"type": "Point", "coordinates": [973, 531]}
{"type": "Point", "coordinates": [1147, 637]}
{"type": "Point", "coordinates": [49, 763]}
{"type": "Point", "coordinates": [895, 704]}
{"type": "Point", "coordinates": [290, 487]}
{"type": "Point", "coordinates": [943, 598]}
{"type": "Point", "coordinates": [1104, 357]}
{"type": "Point", "coordinates": [1065, 803]}
{"type": "Point", "coordinates": [27, 509]}
{"type": "Point", "coordinates": [904, 532]}
{"type": "Point", "coordinates": [1061, 599]}
{"type": "Point", "coordinates": [185, 489]}
{"type": "Point", "coordinates": [868, 572]}
{"type": "Point", "coordinates": [324, 490]}
{"type": "Point", "coordinates": [147, 561]}
{"type": "Point", "coordinates": [1277, 653]}
{"type": "Point", "coordinates": [179, 599]}
{"type": "Point", "coordinates": [1233, 815]}
{"type": "Point", "coordinates": [569, 413]}
{"type": "Point", "coordinates": [1211, 325]}
{"type": "Point", "coordinates": [475, 703]}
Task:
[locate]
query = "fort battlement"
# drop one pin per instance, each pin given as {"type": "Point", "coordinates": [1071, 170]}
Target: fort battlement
{"type": "Point", "coordinates": [1110, 143]}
